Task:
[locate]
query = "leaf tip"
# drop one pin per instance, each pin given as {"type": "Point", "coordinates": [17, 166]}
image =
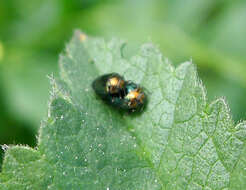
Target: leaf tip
{"type": "Point", "coordinates": [81, 36]}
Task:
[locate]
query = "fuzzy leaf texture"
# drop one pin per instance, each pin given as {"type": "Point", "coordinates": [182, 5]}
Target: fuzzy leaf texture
{"type": "Point", "coordinates": [179, 142]}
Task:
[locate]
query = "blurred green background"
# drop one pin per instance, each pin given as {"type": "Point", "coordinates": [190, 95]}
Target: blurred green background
{"type": "Point", "coordinates": [32, 34]}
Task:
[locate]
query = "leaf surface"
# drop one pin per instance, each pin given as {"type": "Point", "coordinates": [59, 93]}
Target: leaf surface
{"type": "Point", "coordinates": [179, 142]}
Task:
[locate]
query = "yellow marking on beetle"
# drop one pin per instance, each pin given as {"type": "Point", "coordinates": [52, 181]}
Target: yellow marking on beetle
{"type": "Point", "coordinates": [132, 95]}
{"type": "Point", "coordinates": [113, 84]}
{"type": "Point", "coordinates": [114, 81]}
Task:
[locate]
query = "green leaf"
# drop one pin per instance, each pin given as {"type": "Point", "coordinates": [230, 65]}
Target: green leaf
{"type": "Point", "coordinates": [179, 142]}
{"type": "Point", "coordinates": [1, 51]}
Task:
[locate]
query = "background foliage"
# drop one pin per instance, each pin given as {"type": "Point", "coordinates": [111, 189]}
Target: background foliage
{"type": "Point", "coordinates": [32, 34]}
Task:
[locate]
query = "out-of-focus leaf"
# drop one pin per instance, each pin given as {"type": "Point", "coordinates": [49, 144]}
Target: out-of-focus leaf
{"type": "Point", "coordinates": [25, 84]}
{"type": "Point", "coordinates": [1, 52]}
{"type": "Point", "coordinates": [229, 31]}
{"type": "Point", "coordinates": [32, 24]}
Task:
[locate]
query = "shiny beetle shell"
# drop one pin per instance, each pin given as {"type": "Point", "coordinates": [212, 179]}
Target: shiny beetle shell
{"type": "Point", "coordinates": [109, 85]}
{"type": "Point", "coordinates": [115, 84]}
{"type": "Point", "coordinates": [135, 98]}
